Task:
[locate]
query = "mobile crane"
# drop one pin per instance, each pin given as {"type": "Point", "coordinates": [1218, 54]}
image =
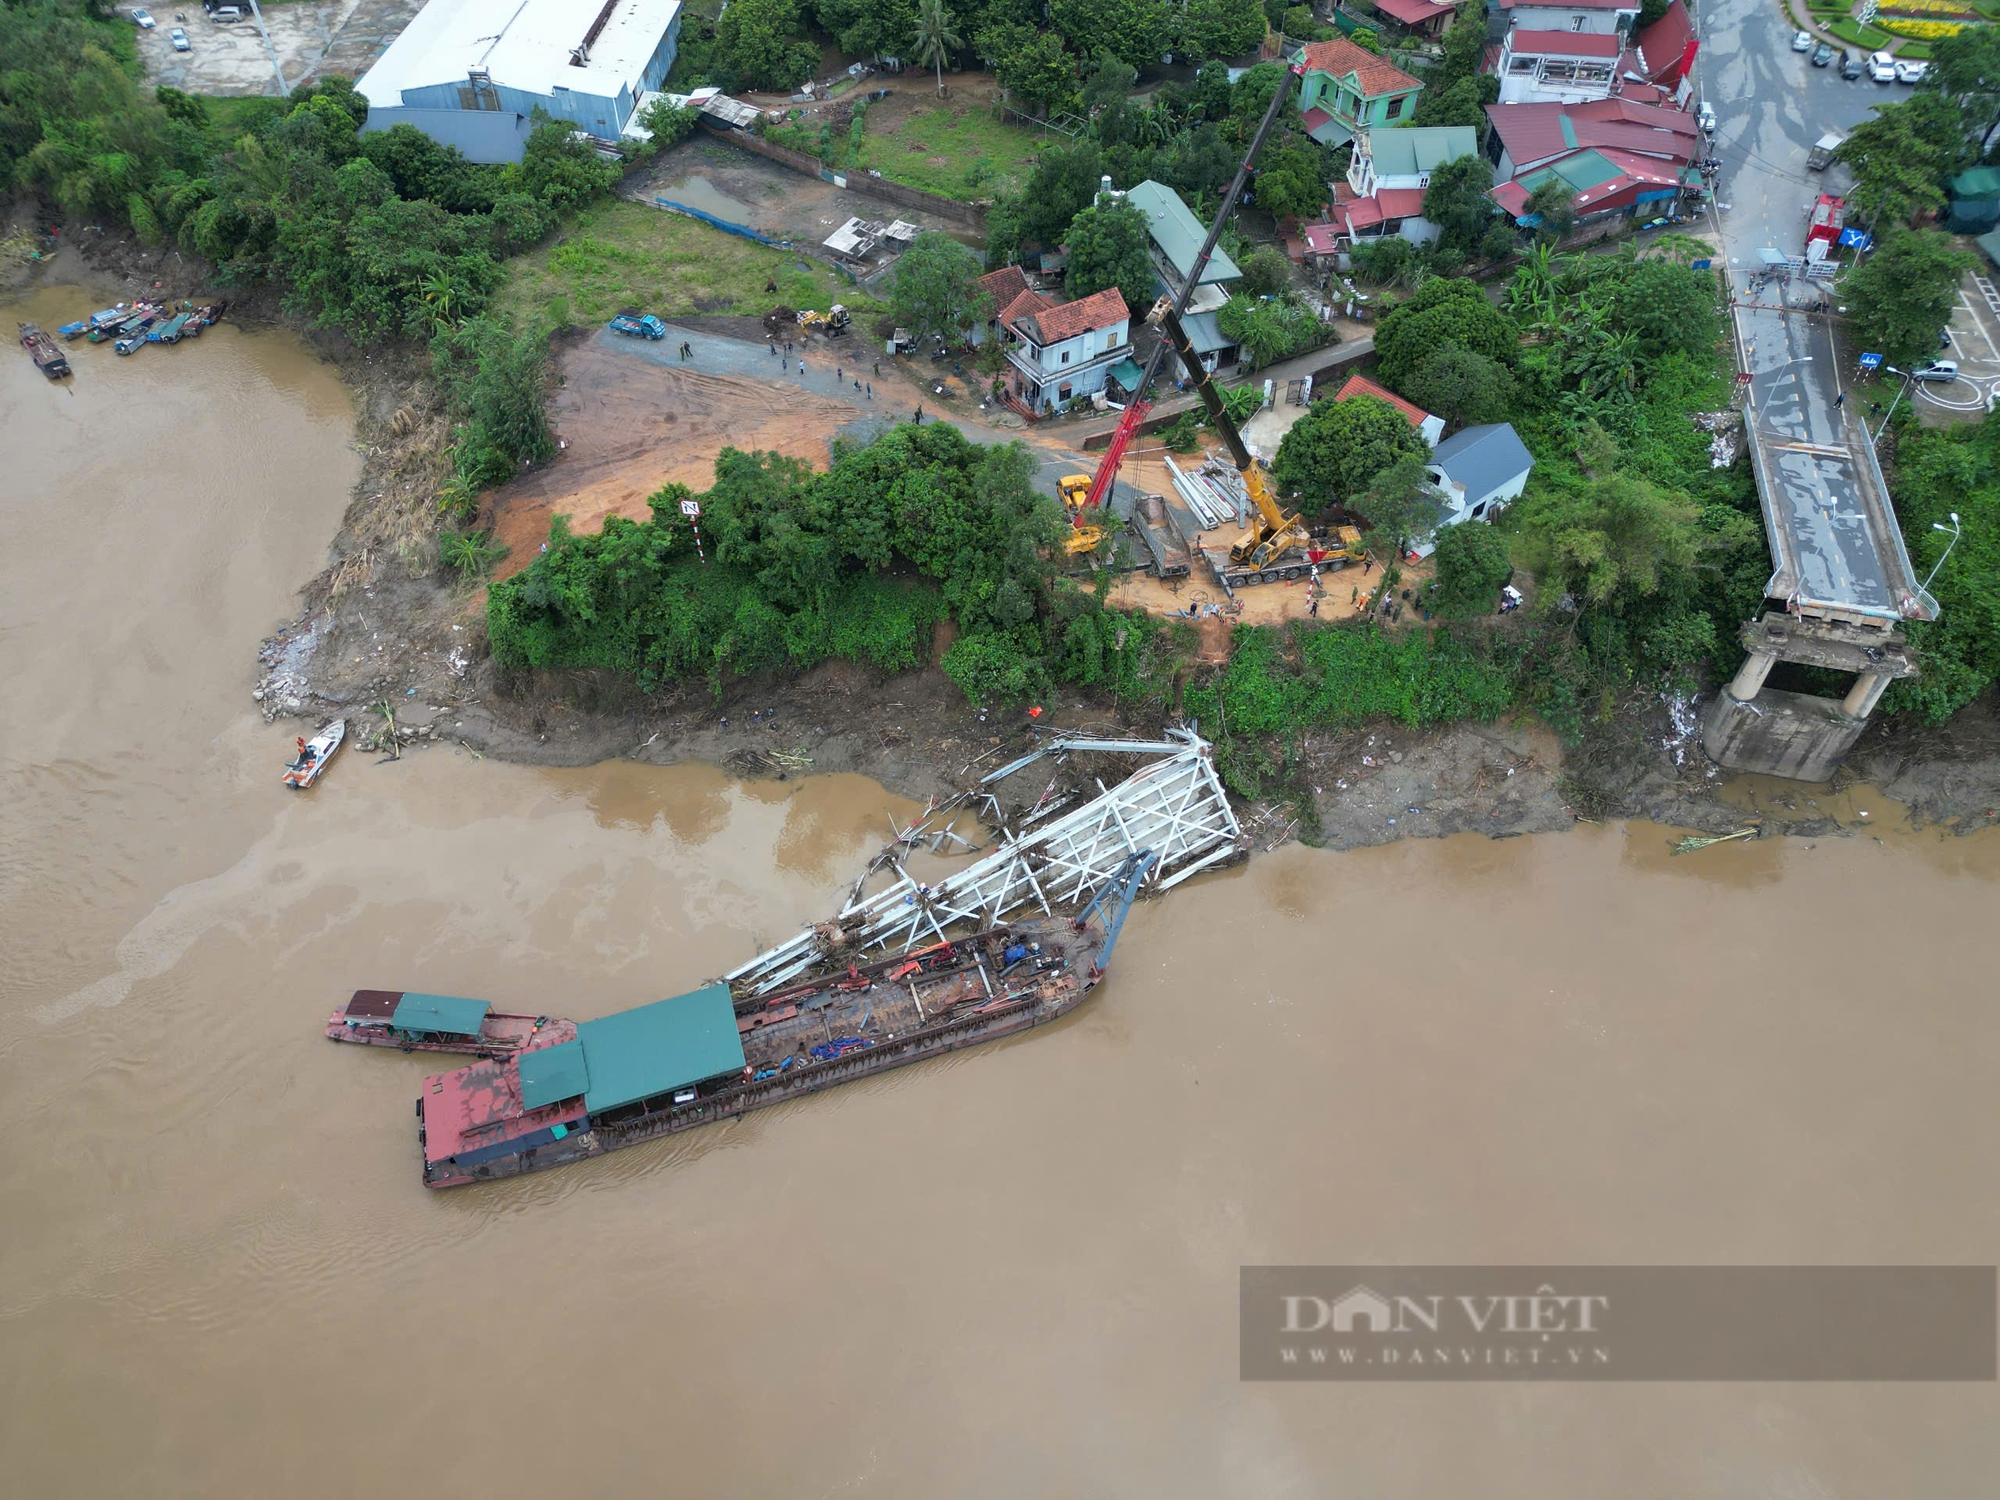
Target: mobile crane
{"type": "Point", "coordinates": [1278, 545]}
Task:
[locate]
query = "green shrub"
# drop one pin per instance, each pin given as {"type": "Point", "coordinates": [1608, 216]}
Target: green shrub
{"type": "Point", "coordinates": [1346, 675]}
{"type": "Point", "coordinates": [995, 668]}
{"type": "Point", "coordinates": [1471, 565]}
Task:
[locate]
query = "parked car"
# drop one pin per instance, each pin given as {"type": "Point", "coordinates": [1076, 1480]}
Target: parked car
{"type": "Point", "coordinates": [1802, 41]}
{"type": "Point", "coordinates": [1706, 117]}
{"type": "Point", "coordinates": [143, 19]}
{"type": "Point", "coordinates": [224, 15]}
{"type": "Point", "coordinates": [1825, 53]}
{"type": "Point", "coordinates": [1941, 370]}
{"type": "Point", "coordinates": [1911, 72]}
{"type": "Point", "coordinates": [1851, 66]}
{"type": "Point", "coordinates": [1881, 67]}
{"type": "Point", "coordinates": [180, 40]}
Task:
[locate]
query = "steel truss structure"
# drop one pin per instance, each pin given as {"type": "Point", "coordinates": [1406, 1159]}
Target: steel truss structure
{"type": "Point", "coordinates": [1174, 808]}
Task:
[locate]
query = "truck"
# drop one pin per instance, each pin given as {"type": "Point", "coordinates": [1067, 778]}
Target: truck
{"type": "Point", "coordinates": [639, 326]}
{"type": "Point", "coordinates": [1821, 154]}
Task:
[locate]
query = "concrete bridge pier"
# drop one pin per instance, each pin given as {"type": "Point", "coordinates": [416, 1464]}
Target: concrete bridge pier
{"type": "Point", "coordinates": [1749, 727]}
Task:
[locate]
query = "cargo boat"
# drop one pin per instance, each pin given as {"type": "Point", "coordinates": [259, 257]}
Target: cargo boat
{"type": "Point", "coordinates": [441, 1023]}
{"type": "Point", "coordinates": [44, 351]}
{"type": "Point", "coordinates": [710, 1055]}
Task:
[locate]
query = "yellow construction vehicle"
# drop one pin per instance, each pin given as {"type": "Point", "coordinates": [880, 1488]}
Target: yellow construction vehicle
{"type": "Point", "coordinates": [1075, 491]}
{"type": "Point", "coordinates": [1082, 539]}
{"type": "Point", "coordinates": [831, 322]}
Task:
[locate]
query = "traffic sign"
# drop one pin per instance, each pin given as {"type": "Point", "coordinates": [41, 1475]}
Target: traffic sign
{"type": "Point", "coordinates": [1871, 361]}
{"type": "Point", "coordinates": [690, 507]}
{"type": "Point", "coordinates": [1743, 377]}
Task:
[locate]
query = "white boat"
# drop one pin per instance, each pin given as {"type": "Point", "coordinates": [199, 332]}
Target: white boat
{"type": "Point", "coordinates": [314, 754]}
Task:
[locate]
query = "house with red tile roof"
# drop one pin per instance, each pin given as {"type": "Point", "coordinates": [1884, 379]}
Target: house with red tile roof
{"type": "Point", "coordinates": [1431, 427]}
{"type": "Point", "coordinates": [1427, 18]}
{"type": "Point", "coordinates": [1060, 351]}
{"type": "Point", "coordinates": [997, 289]}
{"type": "Point", "coordinates": [1537, 135]}
{"type": "Point", "coordinates": [1348, 88]}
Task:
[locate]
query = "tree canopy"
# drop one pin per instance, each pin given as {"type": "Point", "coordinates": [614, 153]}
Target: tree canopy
{"type": "Point", "coordinates": [1107, 248]}
{"type": "Point", "coordinates": [1332, 453]}
{"type": "Point", "coordinates": [1900, 296]}
{"type": "Point", "coordinates": [1445, 312]}
{"type": "Point", "coordinates": [936, 289]}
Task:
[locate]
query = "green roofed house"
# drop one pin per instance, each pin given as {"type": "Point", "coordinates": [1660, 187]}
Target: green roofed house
{"type": "Point", "coordinates": [1175, 236]}
{"type": "Point", "coordinates": [655, 1049]}
{"type": "Point", "coordinates": [1349, 89]}
{"type": "Point", "coordinates": [1603, 181]}
{"type": "Point", "coordinates": [447, 1015]}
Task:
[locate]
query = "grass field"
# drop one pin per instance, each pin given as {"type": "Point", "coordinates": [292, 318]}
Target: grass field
{"type": "Point", "coordinates": [936, 149]}
{"type": "Point", "coordinates": [622, 254]}
{"type": "Point", "coordinates": [1866, 37]}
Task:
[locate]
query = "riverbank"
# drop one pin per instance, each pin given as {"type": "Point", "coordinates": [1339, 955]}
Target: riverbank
{"type": "Point", "coordinates": [381, 629]}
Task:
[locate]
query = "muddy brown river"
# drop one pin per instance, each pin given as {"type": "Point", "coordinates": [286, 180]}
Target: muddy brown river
{"type": "Point", "coordinates": [1012, 1272]}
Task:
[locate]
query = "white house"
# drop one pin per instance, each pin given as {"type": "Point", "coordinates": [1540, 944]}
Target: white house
{"type": "Point", "coordinates": [471, 74]}
{"type": "Point", "coordinates": [1479, 469]}
{"type": "Point", "coordinates": [1058, 351]}
{"type": "Point", "coordinates": [1600, 16]}
{"type": "Point", "coordinates": [1559, 67]}
{"type": "Point", "coordinates": [1387, 175]}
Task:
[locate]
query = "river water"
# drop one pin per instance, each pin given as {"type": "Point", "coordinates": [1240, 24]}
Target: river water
{"type": "Point", "coordinates": [1010, 1272]}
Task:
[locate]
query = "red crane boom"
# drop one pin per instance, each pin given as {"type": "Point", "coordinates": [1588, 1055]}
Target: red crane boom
{"type": "Point", "coordinates": [1135, 412]}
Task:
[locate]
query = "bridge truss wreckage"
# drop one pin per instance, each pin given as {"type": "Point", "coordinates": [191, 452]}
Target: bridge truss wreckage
{"type": "Point", "coordinates": [1173, 807]}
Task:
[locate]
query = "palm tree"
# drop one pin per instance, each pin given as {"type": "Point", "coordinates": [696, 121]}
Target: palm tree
{"type": "Point", "coordinates": [935, 39]}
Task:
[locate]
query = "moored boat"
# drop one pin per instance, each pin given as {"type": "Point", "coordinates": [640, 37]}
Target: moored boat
{"type": "Point", "coordinates": [416, 1022]}
{"type": "Point", "coordinates": [44, 351]}
{"type": "Point", "coordinates": [135, 319]}
{"type": "Point", "coordinates": [710, 1054]}
{"type": "Point", "coordinates": [313, 754]}
{"type": "Point", "coordinates": [170, 331]}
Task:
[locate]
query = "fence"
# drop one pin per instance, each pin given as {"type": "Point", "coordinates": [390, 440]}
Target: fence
{"type": "Point", "coordinates": [723, 224]}
{"type": "Point", "coordinates": [967, 214]}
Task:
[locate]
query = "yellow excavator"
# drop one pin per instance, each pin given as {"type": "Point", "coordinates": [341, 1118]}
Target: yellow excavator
{"type": "Point", "coordinates": [1083, 536]}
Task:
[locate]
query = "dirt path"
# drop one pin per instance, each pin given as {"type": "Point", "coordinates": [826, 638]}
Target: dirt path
{"type": "Point", "coordinates": [633, 416]}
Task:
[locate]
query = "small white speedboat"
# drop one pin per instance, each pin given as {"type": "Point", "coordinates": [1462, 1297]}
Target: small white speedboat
{"type": "Point", "coordinates": [314, 754]}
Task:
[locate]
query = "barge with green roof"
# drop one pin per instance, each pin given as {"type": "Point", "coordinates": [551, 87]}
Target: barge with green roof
{"type": "Point", "coordinates": [414, 1022]}
{"type": "Point", "coordinates": [715, 1053]}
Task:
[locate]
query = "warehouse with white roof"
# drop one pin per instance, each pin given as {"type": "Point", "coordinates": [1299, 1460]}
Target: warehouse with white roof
{"type": "Point", "coordinates": [471, 73]}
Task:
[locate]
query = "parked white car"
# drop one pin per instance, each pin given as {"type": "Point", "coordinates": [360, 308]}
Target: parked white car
{"type": "Point", "coordinates": [1802, 41]}
{"type": "Point", "coordinates": [180, 40]}
{"type": "Point", "coordinates": [1911, 72]}
{"type": "Point", "coordinates": [143, 19]}
{"type": "Point", "coordinates": [1882, 67]}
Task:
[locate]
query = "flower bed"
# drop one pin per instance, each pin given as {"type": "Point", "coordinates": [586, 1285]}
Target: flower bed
{"type": "Point", "coordinates": [1924, 29]}
{"type": "Point", "coordinates": [1932, 10]}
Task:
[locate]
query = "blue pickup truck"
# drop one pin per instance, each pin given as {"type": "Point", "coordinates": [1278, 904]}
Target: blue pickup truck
{"type": "Point", "coordinates": [639, 326]}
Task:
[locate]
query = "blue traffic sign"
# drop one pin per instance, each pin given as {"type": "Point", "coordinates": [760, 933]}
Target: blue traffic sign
{"type": "Point", "coordinates": [1871, 361]}
{"type": "Point", "coordinates": [1855, 239]}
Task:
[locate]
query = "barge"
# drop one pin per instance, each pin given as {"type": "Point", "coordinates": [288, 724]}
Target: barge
{"type": "Point", "coordinates": [715, 1052]}
{"type": "Point", "coordinates": [413, 1022]}
{"type": "Point", "coordinates": [44, 351]}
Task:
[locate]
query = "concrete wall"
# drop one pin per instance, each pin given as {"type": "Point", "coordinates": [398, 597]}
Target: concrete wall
{"type": "Point", "coordinates": [971, 215]}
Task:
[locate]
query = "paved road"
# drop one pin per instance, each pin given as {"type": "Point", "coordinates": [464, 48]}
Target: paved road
{"type": "Point", "coordinates": [1773, 105]}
